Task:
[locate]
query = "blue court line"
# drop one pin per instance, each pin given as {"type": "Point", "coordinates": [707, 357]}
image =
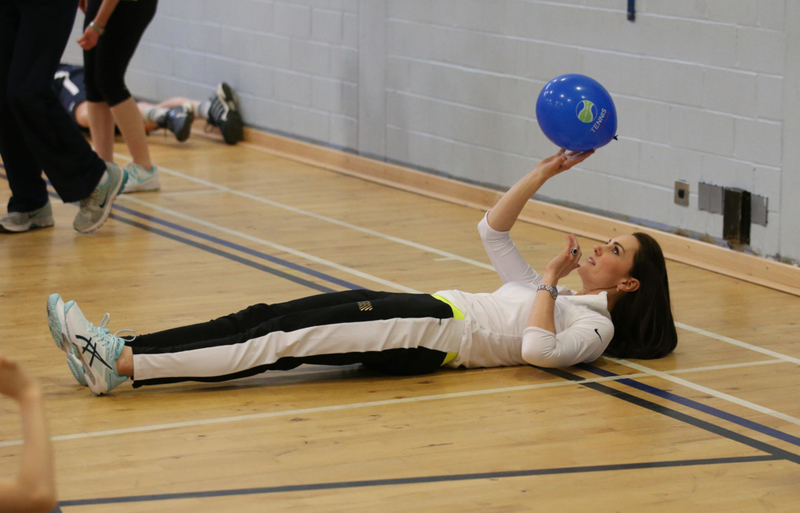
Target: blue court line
{"type": "Point", "coordinates": [222, 242]}
{"type": "Point", "coordinates": [418, 480]}
{"type": "Point", "coordinates": [224, 254]}
{"type": "Point", "coordinates": [238, 247]}
{"type": "Point", "coordinates": [661, 393]}
{"type": "Point", "coordinates": [710, 410]}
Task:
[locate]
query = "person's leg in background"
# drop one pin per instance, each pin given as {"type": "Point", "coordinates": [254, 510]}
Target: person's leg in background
{"type": "Point", "coordinates": [40, 134]}
{"type": "Point", "coordinates": [106, 65]}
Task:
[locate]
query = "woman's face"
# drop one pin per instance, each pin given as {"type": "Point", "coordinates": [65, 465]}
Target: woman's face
{"type": "Point", "coordinates": [610, 264]}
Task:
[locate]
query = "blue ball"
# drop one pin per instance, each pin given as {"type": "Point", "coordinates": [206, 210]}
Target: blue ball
{"type": "Point", "coordinates": [576, 113]}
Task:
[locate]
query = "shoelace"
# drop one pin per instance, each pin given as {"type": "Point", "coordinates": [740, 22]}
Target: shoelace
{"type": "Point", "coordinates": [218, 111]}
{"type": "Point", "coordinates": [102, 332]}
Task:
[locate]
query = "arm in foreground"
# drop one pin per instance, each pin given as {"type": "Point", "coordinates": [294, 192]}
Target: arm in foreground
{"type": "Point", "coordinates": [35, 489]}
{"type": "Point", "coordinates": [495, 226]}
{"type": "Point", "coordinates": [584, 341]}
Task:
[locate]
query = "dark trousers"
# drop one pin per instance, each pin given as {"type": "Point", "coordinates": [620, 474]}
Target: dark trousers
{"type": "Point", "coordinates": [105, 64]}
{"type": "Point", "coordinates": [36, 133]}
{"type": "Point", "coordinates": [349, 307]}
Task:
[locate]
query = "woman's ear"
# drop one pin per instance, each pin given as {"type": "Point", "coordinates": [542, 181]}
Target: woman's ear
{"type": "Point", "coordinates": [628, 285]}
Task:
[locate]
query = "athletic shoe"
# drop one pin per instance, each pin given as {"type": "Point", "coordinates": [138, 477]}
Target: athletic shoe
{"type": "Point", "coordinates": [224, 113]}
{"type": "Point", "coordinates": [97, 207]}
{"type": "Point", "coordinates": [97, 348]}
{"type": "Point", "coordinates": [179, 121]}
{"type": "Point", "coordinates": [58, 329]}
{"type": "Point", "coordinates": [16, 222]}
{"type": "Point", "coordinates": [140, 178]}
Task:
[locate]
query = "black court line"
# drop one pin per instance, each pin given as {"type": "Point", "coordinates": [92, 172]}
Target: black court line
{"type": "Point", "coordinates": [749, 424]}
{"type": "Point", "coordinates": [238, 247]}
{"type": "Point", "coordinates": [339, 485]}
{"type": "Point", "coordinates": [682, 417]}
{"type": "Point", "coordinates": [231, 245]}
{"type": "Point", "coordinates": [775, 452]}
{"type": "Point", "coordinates": [224, 254]}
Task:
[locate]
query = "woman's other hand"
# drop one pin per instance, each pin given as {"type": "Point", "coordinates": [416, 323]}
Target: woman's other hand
{"type": "Point", "coordinates": [564, 263]}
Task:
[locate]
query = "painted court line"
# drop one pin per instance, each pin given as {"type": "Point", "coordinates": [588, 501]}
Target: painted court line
{"type": "Point", "coordinates": [157, 427]}
{"type": "Point", "coordinates": [452, 256]}
{"type": "Point", "coordinates": [189, 193]}
{"type": "Point", "coordinates": [723, 367]}
{"type": "Point", "coordinates": [739, 343]}
{"type": "Point", "coordinates": [339, 485]}
{"type": "Point", "coordinates": [321, 217]}
{"type": "Point", "coordinates": [652, 372]}
{"type": "Point", "coordinates": [646, 369]}
{"type": "Point", "coordinates": [698, 406]}
{"type": "Point", "coordinates": [706, 390]}
{"type": "Point", "coordinates": [267, 243]}
{"type": "Point", "coordinates": [321, 409]}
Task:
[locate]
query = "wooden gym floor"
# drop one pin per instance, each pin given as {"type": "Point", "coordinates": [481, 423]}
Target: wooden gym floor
{"type": "Point", "coordinates": [713, 427]}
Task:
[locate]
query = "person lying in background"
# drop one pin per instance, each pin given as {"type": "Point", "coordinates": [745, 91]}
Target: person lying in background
{"type": "Point", "coordinates": [176, 114]}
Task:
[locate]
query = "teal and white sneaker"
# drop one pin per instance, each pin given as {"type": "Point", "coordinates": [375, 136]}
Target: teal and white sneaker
{"type": "Point", "coordinates": [141, 179]}
{"type": "Point", "coordinates": [17, 222]}
{"type": "Point", "coordinates": [97, 207]}
{"type": "Point", "coordinates": [98, 349]}
{"type": "Point", "coordinates": [58, 329]}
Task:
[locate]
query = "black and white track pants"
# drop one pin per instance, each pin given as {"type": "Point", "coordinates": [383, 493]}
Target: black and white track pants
{"type": "Point", "coordinates": [395, 333]}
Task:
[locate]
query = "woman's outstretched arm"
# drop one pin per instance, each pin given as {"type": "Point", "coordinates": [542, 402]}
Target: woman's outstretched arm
{"type": "Point", "coordinates": [35, 488]}
{"type": "Point", "coordinates": [503, 216]}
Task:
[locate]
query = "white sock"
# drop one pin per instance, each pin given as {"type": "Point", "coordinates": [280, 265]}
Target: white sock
{"type": "Point", "coordinates": [203, 108]}
{"type": "Point", "coordinates": [154, 114]}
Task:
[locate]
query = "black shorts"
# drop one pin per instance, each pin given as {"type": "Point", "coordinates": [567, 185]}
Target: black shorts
{"type": "Point", "coordinates": [69, 86]}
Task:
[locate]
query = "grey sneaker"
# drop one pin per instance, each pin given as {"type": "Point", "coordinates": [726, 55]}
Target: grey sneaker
{"type": "Point", "coordinates": [97, 207]}
{"type": "Point", "coordinates": [16, 222]}
{"type": "Point", "coordinates": [140, 178]}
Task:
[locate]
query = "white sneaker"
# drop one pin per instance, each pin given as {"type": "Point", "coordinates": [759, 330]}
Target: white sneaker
{"type": "Point", "coordinates": [16, 222]}
{"type": "Point", "coordinates": [141, 179]}
{"type": "Point", "coordinates": [97, 348]}
{"type": "Point", "coordinates": [58, 329]}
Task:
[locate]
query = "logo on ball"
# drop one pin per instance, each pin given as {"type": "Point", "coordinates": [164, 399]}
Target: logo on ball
{"type": "Point", "coordinates": [586, 111]}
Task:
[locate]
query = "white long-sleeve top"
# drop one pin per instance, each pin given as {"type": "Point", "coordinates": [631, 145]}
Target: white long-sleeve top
{"type": "Point", "coordinates": [496, 331]}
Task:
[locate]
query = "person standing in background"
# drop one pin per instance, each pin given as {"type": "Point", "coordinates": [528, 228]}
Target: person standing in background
{"type": "Point", "coordinates": [112, 31]}
{"type": "Point", "coordinates": [36, 133]}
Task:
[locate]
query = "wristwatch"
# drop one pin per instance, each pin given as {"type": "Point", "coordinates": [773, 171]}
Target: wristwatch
{"type": "Point", "coordinates": [100, 30]}
{"type": "Point", "coordinates": [552, 290]}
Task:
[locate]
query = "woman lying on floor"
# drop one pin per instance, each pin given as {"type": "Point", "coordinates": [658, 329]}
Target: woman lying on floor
{"type": "Point", "coordinates": [622, 309]}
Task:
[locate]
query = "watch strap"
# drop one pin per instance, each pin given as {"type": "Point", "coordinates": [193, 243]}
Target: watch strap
{"type": "Point", "coordinates": [552, 290]}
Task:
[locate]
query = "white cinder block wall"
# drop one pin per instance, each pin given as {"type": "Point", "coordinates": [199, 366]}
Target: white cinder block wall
{"type": "Point", "coordinates": [706, 90]}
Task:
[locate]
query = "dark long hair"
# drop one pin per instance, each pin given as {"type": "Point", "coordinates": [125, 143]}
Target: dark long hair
{"type": "Point", "coordinates": [643, 324]}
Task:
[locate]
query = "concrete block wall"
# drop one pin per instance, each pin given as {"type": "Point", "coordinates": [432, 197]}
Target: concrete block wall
{"type": "Point", "coordinates": [704, 90]}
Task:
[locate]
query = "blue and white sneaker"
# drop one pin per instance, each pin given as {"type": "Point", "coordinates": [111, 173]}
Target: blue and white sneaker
{"type": "Point", "coordinates": [140, 179]}
{"type": "Point", "coordinates": [98, 349]}
{"type": "Point", "coordinates": [58, 329]}
{"type": "Point", "coordinates": [96, 208]}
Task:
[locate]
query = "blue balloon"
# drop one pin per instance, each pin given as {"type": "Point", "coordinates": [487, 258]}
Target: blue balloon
{"type": "Point", "coordinates": [576, 113]}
